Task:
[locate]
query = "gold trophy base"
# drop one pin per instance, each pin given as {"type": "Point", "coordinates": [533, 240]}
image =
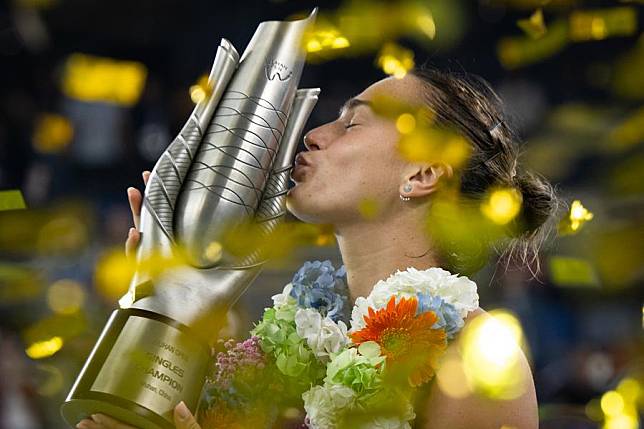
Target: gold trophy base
{"type": "Point", "coordinates": [141, 367]}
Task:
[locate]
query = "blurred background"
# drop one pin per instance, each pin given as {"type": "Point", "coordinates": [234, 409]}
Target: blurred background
{"type": "Point", "coordinates": [93, 91]}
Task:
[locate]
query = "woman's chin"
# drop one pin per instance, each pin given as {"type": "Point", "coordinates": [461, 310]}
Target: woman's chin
{"type": "Point", "coordinates": [299, 204]}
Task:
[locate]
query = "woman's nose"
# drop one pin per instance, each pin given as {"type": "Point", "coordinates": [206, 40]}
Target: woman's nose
{"type": "Point", "coordinates": [311, 141]}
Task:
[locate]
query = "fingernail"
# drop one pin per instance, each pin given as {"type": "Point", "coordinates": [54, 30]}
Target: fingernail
{"type": "Point", "coordinates": [130, 232]}
{"type": "Point", "coordinates": [182, 410]}
{"type": "Point", "coordinates": [97, 418]}
{"type": "Point", "coordinates": [146, 172]}
{"type": "Point", "coordinates": [130, 189]}
{"type": "Point", "coordinates": [82, 425]}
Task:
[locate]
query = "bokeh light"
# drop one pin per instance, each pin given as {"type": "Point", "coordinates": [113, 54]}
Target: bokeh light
{"type": "Point", "coordinates": [492, 353]}
{"type": "Point", "coordinates": [65, 296]}
{"type": "Point", "coordinates": [45, 348]}
{"type": "Point", "coordinates": [502, 205]}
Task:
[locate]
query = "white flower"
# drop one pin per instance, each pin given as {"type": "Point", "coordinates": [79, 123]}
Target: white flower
{"type": "Point", "coordinates": [324, 336]}
{"type": "Point", "coordinates": [283, 298]}
{"type": "Point", "coordinates": [325, 404]}
{"type": "Point", "coordinates": [457, 290]}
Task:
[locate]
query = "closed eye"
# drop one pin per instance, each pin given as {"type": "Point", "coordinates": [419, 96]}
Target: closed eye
{"type": "Point", "coordinates": [350, 126]}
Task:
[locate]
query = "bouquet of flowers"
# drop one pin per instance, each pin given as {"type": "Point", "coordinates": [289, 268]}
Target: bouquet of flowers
{"type": "Point", "coordinates": [303, 353]}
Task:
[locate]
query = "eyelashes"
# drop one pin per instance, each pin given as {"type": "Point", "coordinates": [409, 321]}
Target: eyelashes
{"type": "Point", "coordinates": [350, 126]}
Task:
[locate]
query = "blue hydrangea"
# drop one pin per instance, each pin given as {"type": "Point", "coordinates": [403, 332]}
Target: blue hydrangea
{"type": "Point", "coordinates": [320, 286]}
{"type": "Point", "coordinates": [448, 317]}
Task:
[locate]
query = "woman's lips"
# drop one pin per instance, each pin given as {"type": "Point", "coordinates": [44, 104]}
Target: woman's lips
{"type": "Point", "coordinates": [300, 159]}
{"type": "Point", "coordinates": [301, 164]}
{"type": "Point", "coordinates": [298, 173]}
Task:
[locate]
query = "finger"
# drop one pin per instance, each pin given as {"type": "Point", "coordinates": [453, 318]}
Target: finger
{"type": "Point", "coordinates": [183, 418]}
{"type": "Point", "coordinates": [109, 423]}
{"type": "Point", "coordinates": [88, 424]}
{"type": "Point", "coordinates": [146, 177]}
{"type": "Point", "coordinates": [132, 242]}
{"type": "Point", "coordinates": [135, 198]}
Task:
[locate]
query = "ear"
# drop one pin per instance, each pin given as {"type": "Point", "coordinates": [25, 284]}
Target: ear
{"type": "Point", "coordinates": [425, 179]}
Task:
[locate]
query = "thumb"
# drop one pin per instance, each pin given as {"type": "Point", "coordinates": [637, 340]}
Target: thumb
{"type": "Point", "coordinates": [183, 418]}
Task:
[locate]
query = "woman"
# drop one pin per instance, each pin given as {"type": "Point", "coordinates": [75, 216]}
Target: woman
{"type": "Point", "coordinates": [356, 157]}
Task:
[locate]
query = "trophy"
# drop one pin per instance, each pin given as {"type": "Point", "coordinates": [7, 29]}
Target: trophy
{"type": "Point", "coordinates": [229, 164]}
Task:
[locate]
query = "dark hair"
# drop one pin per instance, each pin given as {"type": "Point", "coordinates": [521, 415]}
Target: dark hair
{"type": "Point", "coordinates": [467, 104]}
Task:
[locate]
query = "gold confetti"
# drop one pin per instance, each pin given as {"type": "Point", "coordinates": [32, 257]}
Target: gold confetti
{"type": "Point", "coordinates": [492, 347]}
{"type": "Point", "coordinates": [515, 52]}
{"type": "Point", "coordinates": [601, 24]}
{"type": "Point", "coordinates": [395, 60]}
{"type": "Point", "coordinates": [45, 348]}
{"type": "Point", "coordinates": [534, 26]}
{"type": "Point", "coordinates": [569, 271]}
{"type": "Point", "coordinates": [618, 409]}
{"type": "Point", "coordinates": [52, 133]}
{"type": "Point", "coordinates": [12, 200]}
{"type": "Point", "coordinates": [461, 231]}
{"type": "Point", "coordinates": [502, 205]}
{"type": "Point", "coordinates": [577, 216]}
{"type": "Point", "coordinates": [113, 273]}
{"type": "Point", "coordinates": [406, 123]}
{"type": "Point", "coordinates": [426, 24]}
{"type": "Point", "coordinates": [324, 36]}
{"type": "Point", "coordinates": [432, 145]}
{"type": "Point", "coordinates": [90, 78]}
{"type": "Point", "coordinates": [201, 90]}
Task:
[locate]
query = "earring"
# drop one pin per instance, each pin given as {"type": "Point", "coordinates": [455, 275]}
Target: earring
{"type": "Point", "coordinates": [407, 187]}
{"type": "Point", "coordinates": [405, 198]}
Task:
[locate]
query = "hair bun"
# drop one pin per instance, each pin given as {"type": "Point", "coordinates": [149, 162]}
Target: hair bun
{"type": "Point", "coordinates": [540, 201]}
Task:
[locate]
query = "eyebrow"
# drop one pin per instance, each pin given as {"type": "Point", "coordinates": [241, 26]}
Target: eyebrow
{"type": "Point", "coordinates": [352, 103]}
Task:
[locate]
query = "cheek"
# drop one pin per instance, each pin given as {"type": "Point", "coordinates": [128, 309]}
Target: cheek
{"type": "Point", "coordinates": [369, 169]}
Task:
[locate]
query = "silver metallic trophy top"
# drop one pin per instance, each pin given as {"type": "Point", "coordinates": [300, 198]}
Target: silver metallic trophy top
{"type": "Point", "coordinates": [228, 165]}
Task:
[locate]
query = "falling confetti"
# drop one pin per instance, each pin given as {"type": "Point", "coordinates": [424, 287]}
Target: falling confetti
{"type": "Point", "coordinates": [515, 52]}
{"type": "Point", "coordinates": [570, 271]}
{"type": "Point", "coordinates": [43, 349]}
{"type": "Point", "coordinates": [395, 60]}
{"type": "Point", "coordinates": [601, 24]}
{"type": "Point", "coordinates": [52, 133]}
{"type": "Point", "coordinates": [576, 217]}
{"type": "Point", "coordinates": [502, 205]}
{"type": "Point", "coordinates": [97, 79]}
{"type": "Point", "coordinates": [201, 90]}
{"type": "Point", "coordinates": [492, 349]}
{"type": "Point", "coordinates": [534, 26]}
{"type": "Point", "coordinates": [12, 200]}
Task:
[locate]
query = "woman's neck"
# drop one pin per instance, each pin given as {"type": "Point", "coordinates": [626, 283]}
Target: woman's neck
{"type": "Point", "coordinates": [372, 251]}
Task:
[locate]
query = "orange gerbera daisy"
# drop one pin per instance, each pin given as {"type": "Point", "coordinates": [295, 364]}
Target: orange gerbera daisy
{"type": "Point", "coordinates": [411, 346]}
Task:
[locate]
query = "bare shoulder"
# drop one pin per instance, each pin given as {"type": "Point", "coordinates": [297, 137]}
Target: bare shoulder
{"type": "Point", "coordinates": [472, 410]}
